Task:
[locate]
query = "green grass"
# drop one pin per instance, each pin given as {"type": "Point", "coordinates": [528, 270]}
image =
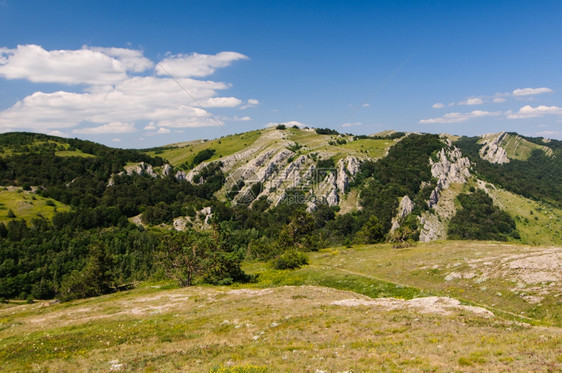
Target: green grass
{"type": "Point", "coordinates": [314, 142]}
{"type": "Point", "coordinates": [26, 205]}
{"type": "Point", "coordinates": [219, 329]}
{"type": "Point", "coordinates": [73, 153]}
{"type": "Point", "coordinates": [63, 149]}
{"type": "Point", "coordinates": [537, 222]}
{"type": "Point", "coordinates": [475, 272]}
{"type": "Point", "coordinates": [319, 274]}
{"type": "Point", "coordinates": [517, 147]}
{"type": "Point", "coordinates": [223, 147]}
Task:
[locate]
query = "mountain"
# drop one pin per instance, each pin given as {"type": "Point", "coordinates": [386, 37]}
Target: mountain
{"type": "Point", "coordinates": [74, 211]}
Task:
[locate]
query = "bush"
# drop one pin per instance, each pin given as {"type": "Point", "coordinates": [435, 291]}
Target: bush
{"type": "Point", "coordinates": [280, 127]}
{"type": "Point", "coordinates": [290, 259]}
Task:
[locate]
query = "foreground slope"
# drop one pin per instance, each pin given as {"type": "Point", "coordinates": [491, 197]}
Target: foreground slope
{"type": "Point", "coordinates": [281, 329]}
{"type": "Point", "coordinates": [407, 317]}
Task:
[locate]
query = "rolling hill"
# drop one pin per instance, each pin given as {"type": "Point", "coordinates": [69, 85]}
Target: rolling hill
{"type": "Point", "coordinates": [450, 245]}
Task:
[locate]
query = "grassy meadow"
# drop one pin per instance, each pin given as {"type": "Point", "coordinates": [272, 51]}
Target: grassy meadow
{"type": "Point", "coordinates": [352, 309]}
{"type": "Point", "coordinates": [26, 205]}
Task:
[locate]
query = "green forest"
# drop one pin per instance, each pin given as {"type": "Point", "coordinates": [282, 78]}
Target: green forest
{"type": "Point", "coordinates": [95, 248]}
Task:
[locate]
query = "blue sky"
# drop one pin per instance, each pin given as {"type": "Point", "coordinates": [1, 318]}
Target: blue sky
{"type": "Point", "coordinates": [99, 70]}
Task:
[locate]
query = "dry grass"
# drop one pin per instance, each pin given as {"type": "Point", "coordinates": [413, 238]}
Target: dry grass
{"type": "Point", "coordinates": [282, 329]}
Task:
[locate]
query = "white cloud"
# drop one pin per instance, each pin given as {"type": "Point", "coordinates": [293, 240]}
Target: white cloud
{"type": "Point", "coordinates": [460, 117]}
{"type": "Point", "coordinates": [499, 100]}
{"type": "Point", "coordinates": [113, 91]}
{"type": "Point", "coordinates": [549, 133]}
{"type": "Point", "coordinates": [57, 133]}
{"type": "Point", "coordinates": [243, 119]}
{"type": "Point", "coordinates": [472, 101]}
{"type": "Point", "coordinates": [163, 130]}
{"type": "Point", "coordinates": [86, 65]}
{"type": "Point", "coordinates": [113, 127]}
{"type": "Point", "coordinates": [221, 102]}
{"type": "Point", "coordinates": [438, 105]}
{"type": "Point", "coordinates": [531, 91]}
{"type": "Point", "coordinates": [366, 104]}
{"type": "Point", "coordinates": [252, 102]}
{"type": "Point", "coordinates": [355, 124]}
{"type": "Point", "coordinates": [116, 140]}
{"type": "Point", "coordinates": [196, 65]}
{"type": "Point", "coordinates": [528, 111]}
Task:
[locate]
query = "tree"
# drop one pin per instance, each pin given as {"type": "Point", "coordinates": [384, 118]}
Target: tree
{"type": "Point", "coordinates": [372, 231]}
{"type": "Point", "coordinates": [93, 280]}
{"type": "Point", "coordinates": [181, 257]}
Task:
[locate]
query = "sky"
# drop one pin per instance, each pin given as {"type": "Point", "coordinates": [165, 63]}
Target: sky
{"type": "Point", "coordinates": [139, 74]}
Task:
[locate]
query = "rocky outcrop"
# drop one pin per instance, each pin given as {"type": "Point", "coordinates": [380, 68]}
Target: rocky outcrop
{"type": "Point", "coordinates": [492, 150]}
{"type": "Point", "coordinates": [167, 170]}
{"type": "Point", "coordinates": [334, 185]}
{"type": "Point", "coordinates": [405, 207]}
{"type": "Point", "coordinates": [141, 169]}
{"type": "Point", "coordinates": [180, 176]}
{"type": "Point", "coordinates": [450, 167]}
{"type": "Point", "coordinates": [202, 220]}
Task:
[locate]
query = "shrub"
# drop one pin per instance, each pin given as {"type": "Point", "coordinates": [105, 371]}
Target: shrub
{"type": "Point", "coordinates": [280, 127]}
{"type": "Point", "coordinates": [290, 259]}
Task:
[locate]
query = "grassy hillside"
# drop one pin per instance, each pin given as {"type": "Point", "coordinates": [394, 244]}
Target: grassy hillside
{"type": "Point", "coordinates": [324, 325]}
{"type": "Point", "coordinates": [224, 146]}
{"type": "Point", "coordinates": [26, 205]}
{"type": "Point", "coordinates": [517, 147]}
{"type": "Point", "coordinates": [537, 222]}
{"type": "Point", "coordinates": [308, 140]}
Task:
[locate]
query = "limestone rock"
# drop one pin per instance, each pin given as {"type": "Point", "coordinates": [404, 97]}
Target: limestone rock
{"type": "Point", "coordinates": [167, 170]}
{"type": "Point", "coordinates": [405, 207]}
{"type": "Point", "coordinates": [492, 150]}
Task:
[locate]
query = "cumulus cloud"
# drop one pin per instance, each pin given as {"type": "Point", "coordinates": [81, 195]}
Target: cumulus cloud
{"type": "Point", "coordinates": [531, 91]}
{"type": "Point", "coordinates": [252, 102]}
{"type": "Point", "coordinates": [355, 124]}
{"type": "Point", "coordinates": [472, 101]}
{"type": "Point", "coordinates": [499, 100]}
{"type": "Point", "coordinates": [460, 117]}
{"type": "Point", "coordinates": [195, 64]}
{"type": "Point", "coordinates": [113, 127]}
{"type": "Point", "coordinates": [438, 105]}
{"type": "Point", "coordinates": [118, 87]}
{"type": "Point", "coordinates": [242, 119]}
{"type": "Point", "coordinates": [528, 111]}
{"type": "Point", "coordinates": [82, 66]}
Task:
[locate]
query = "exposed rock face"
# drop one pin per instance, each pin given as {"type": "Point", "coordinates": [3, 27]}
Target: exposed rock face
{"type": "Point", "coordinates": [493, 152]}
{"type": "Point", "coordinates": [334, 185]}
{"type": "Point", "coordinates": [278, 169]}
{"type": "Point", "coordinates": [202, 220]}
{"type": "Point", "coordinates": [167, 170]}
{"type": "Point", "coordinates": [450, 167]}
{"type": "Point", "coordinates": [180, 176]}
{"type": "Point", "coordinates": [180, 223]}
{"type": "Point", "coordinates": [141, 169]}
{"type": "Point", "coordinates": [432, 229]}
{"type": "Point", "coordinates": [404, 209]}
